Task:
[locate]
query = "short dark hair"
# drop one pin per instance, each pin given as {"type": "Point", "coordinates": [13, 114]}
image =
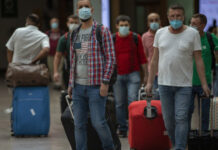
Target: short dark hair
{"type": "Point", "coordinates": [202, 18]}
{"type": "Point", "coordinates": [176, 6]}
{"type": "Point", "coordinates": [123, 18]}
{"type": "Point", "coordinates": [83, 0]}
{"type": "Point", "coordinates": [73, 17]}
{"type": "Point", "coordinates": [34, 18]}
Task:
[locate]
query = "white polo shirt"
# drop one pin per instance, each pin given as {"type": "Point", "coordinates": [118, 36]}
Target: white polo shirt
{"type": "Point", "coordinates": [26, 43]}
{"type": "Point", "coordinates": [175, 66]}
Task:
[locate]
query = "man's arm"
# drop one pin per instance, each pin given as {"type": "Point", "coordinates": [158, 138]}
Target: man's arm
{"type": "Point", "coordinates": [145, 71]}
{"type": "Point", "coordinates": [142, 58]}
{"type": "Point", "coordinates": [108, 48]}
{"type": "Point", "coordinates": [153, 70]}
{"type": "Point", "coordinates": [9, 55]}
{"type": "Point", "coordinates": [43, 53]}
{"type": "Point", "coordinates": [57, 60]}
{"type": "Point", "coordinates": [201, 72]}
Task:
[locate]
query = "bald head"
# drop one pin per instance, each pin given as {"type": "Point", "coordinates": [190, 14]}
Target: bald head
{"type": "Point", "coordinates": [153, 18]}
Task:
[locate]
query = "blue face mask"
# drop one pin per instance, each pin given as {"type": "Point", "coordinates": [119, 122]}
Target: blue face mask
{"type": "Point", "coordinates": [176, 24]}
{"type": "Point", "coordinates": [85, 13]}
{"type": "Point", "coordinates": [154, 26]}
{"type": "Point", "coordinates": [124, 30]}
{"type": "Point", "coordinates": [54, 25]}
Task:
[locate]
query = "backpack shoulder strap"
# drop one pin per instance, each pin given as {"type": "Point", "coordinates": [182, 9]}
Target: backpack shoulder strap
{"type": "Point", "coordinates": [114, 37]}
{"type": "Point", "coordinates": [135, 38]}
{"type": "Point", "coordinates": [212, 48]}
{"type": "Point", "coordinates": [210, 40]}
{"type": "Point", "coordinates": [66, 35]}
{"type": "Point", "coordinates": [98, 34]}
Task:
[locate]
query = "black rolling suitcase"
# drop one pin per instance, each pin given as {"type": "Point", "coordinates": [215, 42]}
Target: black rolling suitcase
{"type": "Point", "coordinates": [63, 103]}
{"type": "Point", "coordinates": [204, 140]}
{"type": "Point", "coordinates": [94, 142]}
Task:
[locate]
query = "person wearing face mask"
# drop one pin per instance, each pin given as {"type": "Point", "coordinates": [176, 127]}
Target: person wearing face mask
{"type": "Point", "coordinates": [91, 67]}
{"type": "Point", "coordinates": [130, 58]}
{"type": "Point", "coordinates": [175, 47]}
{"type": "Point", "coordinates": [63, 49]}
{"type": "Point", "coordinates": [54, 34]}
{"type": "Point", "coordinates": [199, 21]}
{"type": "Point", "coordinates": [147, 41]}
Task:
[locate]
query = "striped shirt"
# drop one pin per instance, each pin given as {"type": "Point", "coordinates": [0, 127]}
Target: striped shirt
{"type": "Point", "coordinates": [100, 60]}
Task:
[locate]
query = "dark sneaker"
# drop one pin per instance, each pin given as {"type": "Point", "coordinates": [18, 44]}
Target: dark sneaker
{"type": "Point", "coordinates": [122, 134]}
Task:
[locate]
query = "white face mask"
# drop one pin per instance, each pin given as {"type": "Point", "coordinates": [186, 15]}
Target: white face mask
{"type": "Point", "coordinates": [72, 26]}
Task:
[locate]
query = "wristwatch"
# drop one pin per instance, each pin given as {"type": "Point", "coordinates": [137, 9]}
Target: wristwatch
{"type": "Point", "coordinates": [105, 82]}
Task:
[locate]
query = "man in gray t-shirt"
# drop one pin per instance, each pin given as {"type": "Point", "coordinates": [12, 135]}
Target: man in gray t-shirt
{"type": "Point", "coordinates": [81, 48]}
{"type": "Point", "coordinates": [175, 46]}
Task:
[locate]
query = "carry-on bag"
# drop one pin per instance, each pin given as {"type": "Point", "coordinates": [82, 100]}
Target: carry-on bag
{"type": "Point", "coordinates": [27, 75]}
{"type": "Point", "coordinates": [146, 125]}
{"type": "Point", "coordinates": [63, 103]}
{"type": "Point", "coordinates": [214, 112]}
{"type": "Point", "coordinates": [94, 142]}
{"type": "Point", "coordinates": [204, 140]}
{"type": "Point", "coordinates": [31, 113]}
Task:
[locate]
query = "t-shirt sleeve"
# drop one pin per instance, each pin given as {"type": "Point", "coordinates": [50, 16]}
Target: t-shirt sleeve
{"type": "Point", "coordinates": [156, 37]}
{"type": "Point", "coordinates": [61, 44]}
{"type": "Point", "coordinates": [215, 41]}
{"type": "Point", "coordinates": [45, 42]}
{"type": "Point", "coordinates": [11, 42]}
{"type": "Point", "coordinates": [197, 41]}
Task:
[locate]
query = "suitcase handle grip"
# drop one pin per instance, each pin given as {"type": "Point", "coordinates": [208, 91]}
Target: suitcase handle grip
{"type": "Point", "coordinates": [204, 96]}
{"type": "Point", "coordinates": [67, 97]}
{"type": "Point", "coordinates": [211, 115]}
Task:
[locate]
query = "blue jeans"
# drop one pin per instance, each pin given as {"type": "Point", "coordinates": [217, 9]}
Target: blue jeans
{"type": "Point", "coordinates": [155, 89]}
{"type": "Point", "coordinates": [85, 99]}
{"type": "Point", "coordinates": [197, 90]}
{"type": "Point", "coordinates": [125, 90]}
{"type": "Point", "coordinates": [175, 102]}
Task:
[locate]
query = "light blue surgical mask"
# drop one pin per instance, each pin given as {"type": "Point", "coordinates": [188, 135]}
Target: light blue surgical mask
{"type": "Point", "coordinates": [85, 13]}
{"type": "Point", "coordinates": [176, 24]}
{"type": "Point", "coordinates": [154, 26]}
{"type": "Point", "coordinates": [54, 25]}
{"type": "Point", "coordinates": [124, 30]}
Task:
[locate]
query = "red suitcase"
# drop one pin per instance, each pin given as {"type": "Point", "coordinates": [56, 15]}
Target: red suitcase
{"type": "Point", "coordinates": [146, 128]}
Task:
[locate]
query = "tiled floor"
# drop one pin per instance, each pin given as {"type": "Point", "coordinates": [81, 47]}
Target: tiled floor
{"type": "Point", "coordinates": [56, 139]}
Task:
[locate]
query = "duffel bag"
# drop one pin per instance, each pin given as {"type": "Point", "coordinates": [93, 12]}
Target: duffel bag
{"type": "Point", "coordinates": [27, 75]}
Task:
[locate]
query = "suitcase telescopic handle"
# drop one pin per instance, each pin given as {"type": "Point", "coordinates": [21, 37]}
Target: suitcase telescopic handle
{"type": "Point", "coordinates": [67, 97]}
{"type": "Point", "coordinates": [150, 112]}
{"type": "Point", "coordinates": [211, 115]}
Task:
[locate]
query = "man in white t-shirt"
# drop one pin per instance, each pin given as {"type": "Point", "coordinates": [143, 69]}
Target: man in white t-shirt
{"type": "Point", "coordinates": [174, 49]}
{"type": "Point", "coordinates": [27, 44]}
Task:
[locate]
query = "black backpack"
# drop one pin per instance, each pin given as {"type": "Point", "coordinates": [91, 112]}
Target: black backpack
{"type": "Point", "coordinates": [212, 49]}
